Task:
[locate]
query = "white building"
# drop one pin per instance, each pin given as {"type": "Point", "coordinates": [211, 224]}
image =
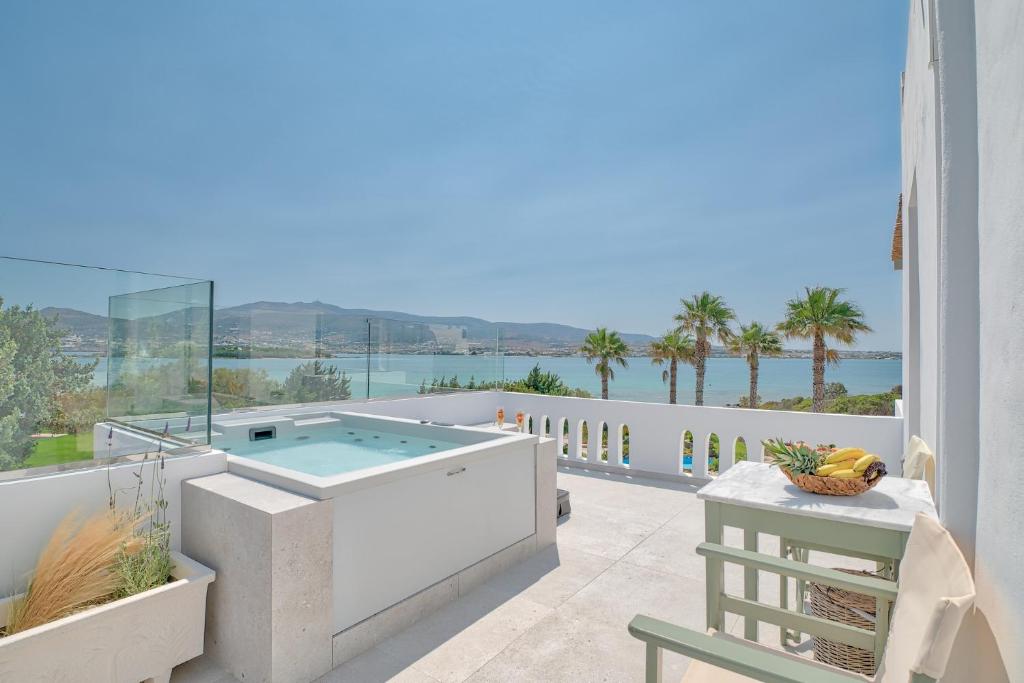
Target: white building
{"type": "Point", "coordinates": [963, 290]}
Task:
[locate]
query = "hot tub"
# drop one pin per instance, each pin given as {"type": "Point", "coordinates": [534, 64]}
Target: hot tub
{"type": "Point", "coordinates": [413, 503]}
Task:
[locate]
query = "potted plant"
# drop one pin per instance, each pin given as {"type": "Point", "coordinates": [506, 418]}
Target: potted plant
{"type": "Point", "coordinates": [108, 600]}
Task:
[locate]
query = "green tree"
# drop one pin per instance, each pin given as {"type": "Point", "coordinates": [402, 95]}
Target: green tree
{"type": "Point", "coordinates": [753, 341]}
{"type": "Point", "coordinates": [705, 316]}
{"type": "Point", "coordinates": [34, 374]}
{"type": "Point", "coordinates": [605, 347]}
{"type": "Point", "coordinates": [242, 387]}
{"type": "Point", "coordinates": [673, 348]}
{"type": "Point", "coordinates": [818, 315]}
{"type": "Point", "coordinates": [316, 381]}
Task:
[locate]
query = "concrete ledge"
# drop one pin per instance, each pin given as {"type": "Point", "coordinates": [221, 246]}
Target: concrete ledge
{"type": "Point", "coordinates": [361, 637]}
{"type": "Point", "coordinates": [631, 472]}
{"type": "Point", "coordinates": [269, 613]}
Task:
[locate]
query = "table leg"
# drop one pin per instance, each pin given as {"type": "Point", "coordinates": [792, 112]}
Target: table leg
{"type": "Point", "coordinates": [783, 591]}
{"type": "Point", "coordinates": [750, 585]}
{"type": "Point", "coordinates": [714, 568]}
{"type": "Point", "coordinates": [800, 555]}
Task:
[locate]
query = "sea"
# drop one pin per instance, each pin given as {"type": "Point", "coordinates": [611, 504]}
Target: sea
{"type": "Point", "coordinates": [726, 379]}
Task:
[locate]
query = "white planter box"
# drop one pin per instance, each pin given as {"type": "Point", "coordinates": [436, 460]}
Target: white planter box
{"type": "Point", "coordinates": [139, 638]}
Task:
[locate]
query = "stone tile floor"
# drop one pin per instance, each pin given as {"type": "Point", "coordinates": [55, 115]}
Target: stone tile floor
{"type": "Point", "coordinates": [627, 548]}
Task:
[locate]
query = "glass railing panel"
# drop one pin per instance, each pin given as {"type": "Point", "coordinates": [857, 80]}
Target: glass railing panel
{"type": "Point", "coordinates": [158, 360]}
{"type": "Point", "coordinates": [98, 363]}
{"type": "Point", "coordinates": [265, 356]}
{"type": "Point", "coordinates": [411, 358]}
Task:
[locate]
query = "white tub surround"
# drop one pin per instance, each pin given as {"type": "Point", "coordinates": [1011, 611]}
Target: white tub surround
{"type": "Point", "coordinates": [138, 638]}
{"type": "Point", "coordinates": [270, 611]}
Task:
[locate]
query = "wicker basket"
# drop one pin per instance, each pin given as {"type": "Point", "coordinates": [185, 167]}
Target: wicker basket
{"type": "Point", "coordinates": [831, 486]}
{"type": "Point", "coordinates": [848, 608]}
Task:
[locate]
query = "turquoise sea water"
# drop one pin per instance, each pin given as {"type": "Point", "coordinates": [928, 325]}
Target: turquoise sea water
{"type": "Point", "coordinates": [725, 381]}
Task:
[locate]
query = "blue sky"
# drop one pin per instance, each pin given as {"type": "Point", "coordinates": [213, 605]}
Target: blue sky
{"type": "Point", "coordinates": [578, 162]}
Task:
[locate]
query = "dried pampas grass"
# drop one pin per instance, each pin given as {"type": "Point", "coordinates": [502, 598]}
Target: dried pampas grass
{"type": "Point", "coordinates": [77, 568]}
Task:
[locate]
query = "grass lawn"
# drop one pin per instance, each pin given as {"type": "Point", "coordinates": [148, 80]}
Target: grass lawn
{"type": "Point", "coordinates": [58, 449]}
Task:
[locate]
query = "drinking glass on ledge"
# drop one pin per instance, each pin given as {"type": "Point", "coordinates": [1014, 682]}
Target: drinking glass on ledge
{"type": "Point", "coordinates": [501, 418]}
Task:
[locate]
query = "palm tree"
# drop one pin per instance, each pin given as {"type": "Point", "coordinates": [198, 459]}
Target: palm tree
{"type": "Point", "coordinates": [817, 315]}
{"type": "Point", "coordinates": [705, 316]}
{"type": "Point", "coordinates": [672, 348]}
{"type": "Point", "coordinates": [754, 341]}
{"type": "Point", "coordinates": [606, 348]}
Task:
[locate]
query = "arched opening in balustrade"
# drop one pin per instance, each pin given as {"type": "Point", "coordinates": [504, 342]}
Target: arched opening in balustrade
{"type": "Point", "coordinates": [624, 444]}
{"type": "Point", "coordinates": [603, 431]}
{"type": "Point", "coordinates": [713, 449]}
{"type": "Point", "coordinates": [562, 437]}
{"type": "Point", "coordinates": [545, 426]}
{"type": "Point", "coordinates": [529, 424]}
{"type": "Point", "coordinates": [582, 436]}
{"type": "Point", "coordinates": [739, 449]}
{"type": "Point", "coordinates": [686, 452]}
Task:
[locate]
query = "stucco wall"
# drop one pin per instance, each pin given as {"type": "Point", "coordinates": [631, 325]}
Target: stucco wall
{"type": "Point", "coordinates": [963, 170]}
{"type": "Point", "coordinates": [999, 568]}
{"type": "Point", "coordinates": [31, 508]}
{"type": "Point", "coordinates": [939, 171]}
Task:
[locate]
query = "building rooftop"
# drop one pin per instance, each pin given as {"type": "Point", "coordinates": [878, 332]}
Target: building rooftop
{"type": "Point", "coordinates": [627, 548]}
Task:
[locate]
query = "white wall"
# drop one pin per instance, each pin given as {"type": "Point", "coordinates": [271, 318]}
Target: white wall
{"type": "Point", "coordinates": [30, 508]}
{"type": "Point", "coordinates": [655, 429]}
{"type": "Point", "coordinates": [999, 568]}
{"type": "Point", "coordinates": [941, 252]}
{"type": "Point", "coordinates": [963, 174]}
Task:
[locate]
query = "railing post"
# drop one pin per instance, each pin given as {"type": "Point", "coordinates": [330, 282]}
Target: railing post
{"type": "Point", "coordinates": [574, 438]}
{"type": "Point", "coordinates": [614, 449]}
{"type": "Point", "coordinates": [715, 567]}
{"type": "Point", "coordinates": [652, 673]}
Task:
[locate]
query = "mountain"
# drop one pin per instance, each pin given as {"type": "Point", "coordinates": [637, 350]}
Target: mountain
{"type": "Point", "coordinates": [273, 323]}
{"type": "Point", "coordinates": [275, 316]}
{"type": "Point", "coordinates": [85, 325]}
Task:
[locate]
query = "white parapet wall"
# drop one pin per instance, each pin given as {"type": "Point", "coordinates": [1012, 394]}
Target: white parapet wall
{"type": "Point", "coordinates": [31, 507]}
{"type": "Point", "coordinates": [655, 430]}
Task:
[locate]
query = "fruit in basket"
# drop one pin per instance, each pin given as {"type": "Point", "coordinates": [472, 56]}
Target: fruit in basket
{"type": "Point", "coordinates": [797, 458]}
{"type": "Point", "coordinates": [874, 470]}
{"type": "Point", "coordinates": [826, 470]}
{"type": "Point", "coordinates": [843, 454]}
{"type": "Point", "coordinates": [846, 474]}
{"type": "Point", "coordinates": [865, 460]}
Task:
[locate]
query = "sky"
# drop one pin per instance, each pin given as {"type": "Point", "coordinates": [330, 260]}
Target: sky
{"type": "Point", "coordinates": [587, 163]}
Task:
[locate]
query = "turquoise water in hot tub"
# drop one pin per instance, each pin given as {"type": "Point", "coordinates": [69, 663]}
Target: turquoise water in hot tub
{"type": "Point", "coordinates": [325, 451]}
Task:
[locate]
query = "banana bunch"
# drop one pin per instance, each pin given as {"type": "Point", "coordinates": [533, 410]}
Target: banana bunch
{"type": "Point", "coordinates": [846, 463]}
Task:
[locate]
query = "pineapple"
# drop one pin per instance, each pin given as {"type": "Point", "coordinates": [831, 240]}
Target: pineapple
{"type": "Point", "coordinates": [797, 458]}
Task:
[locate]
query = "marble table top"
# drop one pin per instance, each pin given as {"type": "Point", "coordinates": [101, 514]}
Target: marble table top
{"type": "Point", "coordinates": [892, 504]}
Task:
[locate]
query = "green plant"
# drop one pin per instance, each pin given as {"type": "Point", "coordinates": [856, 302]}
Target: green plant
{"type": "Point", "coordinates": [797, 458]}
{"type": "Point", "coordinates": [34, 374]}
{"type": "Point", "coordinates": [606, 347]}
{"type": "Point", "coordinates": [76, 569]}
{"type": "Point", "coordinates": [149, 565]}
{"type": "Point", "coordinates": [754, 341]}
{"type": "Point", "coordinates": [705, 315]}
{"type": "Point", "coordinates": [673, 348]}
{"type": "Point", "coordinates": [316, 381]}
{"type": "Point", "coordinates": [819, 314]}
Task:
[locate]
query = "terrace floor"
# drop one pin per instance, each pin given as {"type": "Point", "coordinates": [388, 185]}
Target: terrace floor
{"type": "Point", "coordinates": [627, 548]}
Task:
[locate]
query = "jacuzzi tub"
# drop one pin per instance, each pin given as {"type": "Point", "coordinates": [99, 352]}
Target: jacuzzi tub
{"type": "Point", "coordinates": [413, 503]}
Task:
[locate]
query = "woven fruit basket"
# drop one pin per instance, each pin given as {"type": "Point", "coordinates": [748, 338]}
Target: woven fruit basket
{"type": "Point", "coordinates": [828, 486]}
{"type": "Point", "coordinates": [826, 470]}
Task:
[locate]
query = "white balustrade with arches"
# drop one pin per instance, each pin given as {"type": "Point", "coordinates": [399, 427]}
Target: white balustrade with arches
{"type": "Point", "coordinates": [655, 430]}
